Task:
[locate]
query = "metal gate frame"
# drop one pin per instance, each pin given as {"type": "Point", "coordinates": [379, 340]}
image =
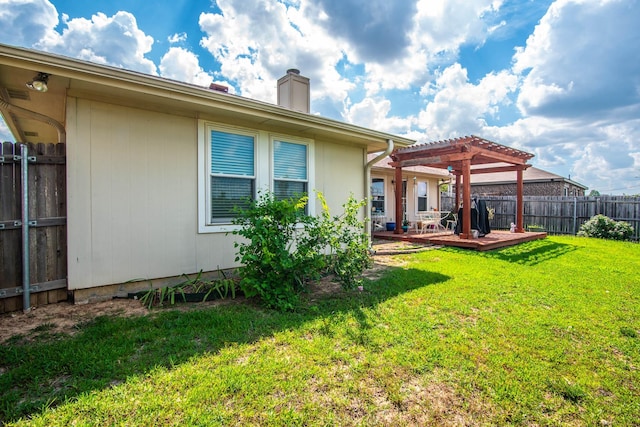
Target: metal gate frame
{"type": "Point", "coordinates": [41, 154]}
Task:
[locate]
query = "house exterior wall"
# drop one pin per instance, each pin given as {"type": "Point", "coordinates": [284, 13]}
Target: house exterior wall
{"type": "Point", "coordinates": [339, 173]}
{"type": "Point", "coordinates": [555, 188]}
{"type": "Point", "coordinates": [132, 179]}
{"type": "Point", "coordinates": [433, 193]}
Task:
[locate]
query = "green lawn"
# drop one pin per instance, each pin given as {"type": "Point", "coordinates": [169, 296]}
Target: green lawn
{"type": "Point", "coordinates": [543, 333]}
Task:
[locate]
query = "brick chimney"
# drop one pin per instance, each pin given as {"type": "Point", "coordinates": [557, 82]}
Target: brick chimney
{"type": "Point", "coordinates": [294, 91]}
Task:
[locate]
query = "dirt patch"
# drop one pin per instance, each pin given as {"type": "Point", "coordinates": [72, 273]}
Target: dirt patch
{"type": "Point", "coordinates": [64, 317]}
{"type": "Point", "coordinates": [395, 247]}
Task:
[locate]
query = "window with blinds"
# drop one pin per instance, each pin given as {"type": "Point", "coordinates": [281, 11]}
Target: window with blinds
{"type": "Point", "coordinates": [422, 196]}
{"type": "Point", "coordinates": [290, 171]}
{"type": "Point", "coordinates": [234, 163]}
{"type": "Point", "coordinates": [377, 196]}
{"type": "Point", "coordinates": [232, 174]}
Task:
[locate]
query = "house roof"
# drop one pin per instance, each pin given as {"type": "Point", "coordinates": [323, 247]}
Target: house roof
{"type": "Point", "coordinates": [531, 174]}
{"type": "Point", "coordinates": [71, 77]}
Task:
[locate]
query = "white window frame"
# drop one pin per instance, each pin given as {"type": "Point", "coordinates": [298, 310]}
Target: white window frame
{"type": "Point", "coordinates": [384, 194]}
{"type": "Point", "coordinates": [426, 183]}
{"type": "Point", "coordinates": [263, 163]}
{"type": "Point", "coordinates": [310, 169]}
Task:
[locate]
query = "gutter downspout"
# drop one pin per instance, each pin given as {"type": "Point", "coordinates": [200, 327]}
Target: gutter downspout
{"type": "Point", "coordinates": [367, 183]}
{"type": "Point", "coordinates": [62, 133]}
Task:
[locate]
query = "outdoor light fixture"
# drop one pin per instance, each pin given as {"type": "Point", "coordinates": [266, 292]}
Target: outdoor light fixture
{"type": "Point", "coordinates": [39, 82]}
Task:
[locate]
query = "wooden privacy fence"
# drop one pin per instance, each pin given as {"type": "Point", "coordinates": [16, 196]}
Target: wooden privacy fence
{"type": "Point", "coordinates": [46, 227]}
{"type": "Point", "coordinates": [560, 215]}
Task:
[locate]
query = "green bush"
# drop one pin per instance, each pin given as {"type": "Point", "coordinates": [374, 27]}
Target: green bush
{"type": "Point", "coordinates": [347, 242]}
{"type": "Point", "coordinates": [285, 248]}
{"type": "Point", "coordinates": [605, 228]}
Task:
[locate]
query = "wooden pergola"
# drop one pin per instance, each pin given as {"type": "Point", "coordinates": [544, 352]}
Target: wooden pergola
{"type": "Point", "coordinates": [462, 157]}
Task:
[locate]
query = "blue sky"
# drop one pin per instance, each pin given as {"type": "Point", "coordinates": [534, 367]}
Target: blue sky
{"type": "Point", "coordinates": [560, 79]}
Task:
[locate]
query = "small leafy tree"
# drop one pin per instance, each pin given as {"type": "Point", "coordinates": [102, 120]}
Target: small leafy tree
{"type": "Point", "coordinates": [348, 243]}
{"type": "Point", "coordinates": [605, 228]}
{"type": "Point", "coordinates": [285, 248]}
{"type": "Point", "coordinates": [271, 269]}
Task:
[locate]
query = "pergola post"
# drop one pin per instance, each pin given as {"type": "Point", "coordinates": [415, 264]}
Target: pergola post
{"type": "Point", "coordinates": [457, 205]}
{"type": "Point", "coordinates": [398, 192]}
{"type": "Point", "coordinates": [466, 199]}
{"type": "Point", "coordinates": [519, 200]}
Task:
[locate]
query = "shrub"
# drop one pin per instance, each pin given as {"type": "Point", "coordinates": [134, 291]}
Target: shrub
{"type": "Point", "coordinates": [605, 228]}
{"type": "Point", "coordinates": [285, 249]}
{"type": "Point", "coordinates": [347, 242]}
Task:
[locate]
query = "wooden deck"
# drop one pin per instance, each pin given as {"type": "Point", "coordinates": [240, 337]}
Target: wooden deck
{"type": "Point", "coordinates": [495, 239]}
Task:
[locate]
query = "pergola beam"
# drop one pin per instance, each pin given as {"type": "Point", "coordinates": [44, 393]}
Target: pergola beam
{"type": "Point", "coordinates": [499, 169]}
{"type": "Point", "coordinates": [444, 159]}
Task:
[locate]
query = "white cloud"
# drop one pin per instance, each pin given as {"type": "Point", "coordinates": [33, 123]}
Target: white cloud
{"type": "Point", "coordinates": [444, 25]}
{"type": "Point", "coordinates": [582, 60]}
{"type": "Point", "coordinates": [459, 107]}
{"type": "Point", "coordinates": [182, 65]}
{"type": "Point", "coordinates": [177, 38]}
{"type": "Point", "coordinates": [601, 156]}
{"type": "Point", "coordinates": [374, 114]}
{"type": "Point", "coordinates": [580, 93]}
{"type": "Point", "coordinates": [256, 41]}
{"type": "Point", "coordinates": [114, 40]}
{"type": "Point", "coordinates": [26, 22]}
{"type": "Point", "coordinates": [437, 31]}
{"type": "Point", "coordinates": [611, 159]}
{"type": "Point", "coordinates": [375, 31]}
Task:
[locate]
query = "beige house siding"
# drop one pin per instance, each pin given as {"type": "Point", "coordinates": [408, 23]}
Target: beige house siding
{"type": "Point", "coordinates": [339, 173]}
{"type": "Point", "coordinates": [433, 199]}
{"type": "Point", "coordinates": [132, 194]}
{"type": "Point", "coordinates": [133, 202]}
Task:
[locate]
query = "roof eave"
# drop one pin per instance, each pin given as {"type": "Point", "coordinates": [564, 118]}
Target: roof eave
{"type": "Point", "coordinates": [168, 89]}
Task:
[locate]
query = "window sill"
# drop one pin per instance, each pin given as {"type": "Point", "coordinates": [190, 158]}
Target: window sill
{"type": "Point", "coordinates": [217, 228]}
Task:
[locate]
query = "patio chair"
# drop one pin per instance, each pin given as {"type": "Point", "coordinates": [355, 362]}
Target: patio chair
{"type": "Point", "coordinates": [452, 222]}
{"type": "Point", "coordinates": [430, 220]}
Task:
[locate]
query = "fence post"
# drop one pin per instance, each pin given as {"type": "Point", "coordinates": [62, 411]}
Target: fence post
{"type": "Point", "coordinates": [575, 215]}
{"type": "Point", "coordinates": [26, 291]}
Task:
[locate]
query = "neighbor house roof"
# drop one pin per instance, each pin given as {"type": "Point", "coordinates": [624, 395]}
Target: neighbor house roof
{"type": "Point", "coordinates": [69, 77]}
{"type": "Point", "coordinates": [531, 174]}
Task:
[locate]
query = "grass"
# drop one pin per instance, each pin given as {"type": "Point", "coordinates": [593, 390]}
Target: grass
{"type": "Point", "coordinates": [543, 333]}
